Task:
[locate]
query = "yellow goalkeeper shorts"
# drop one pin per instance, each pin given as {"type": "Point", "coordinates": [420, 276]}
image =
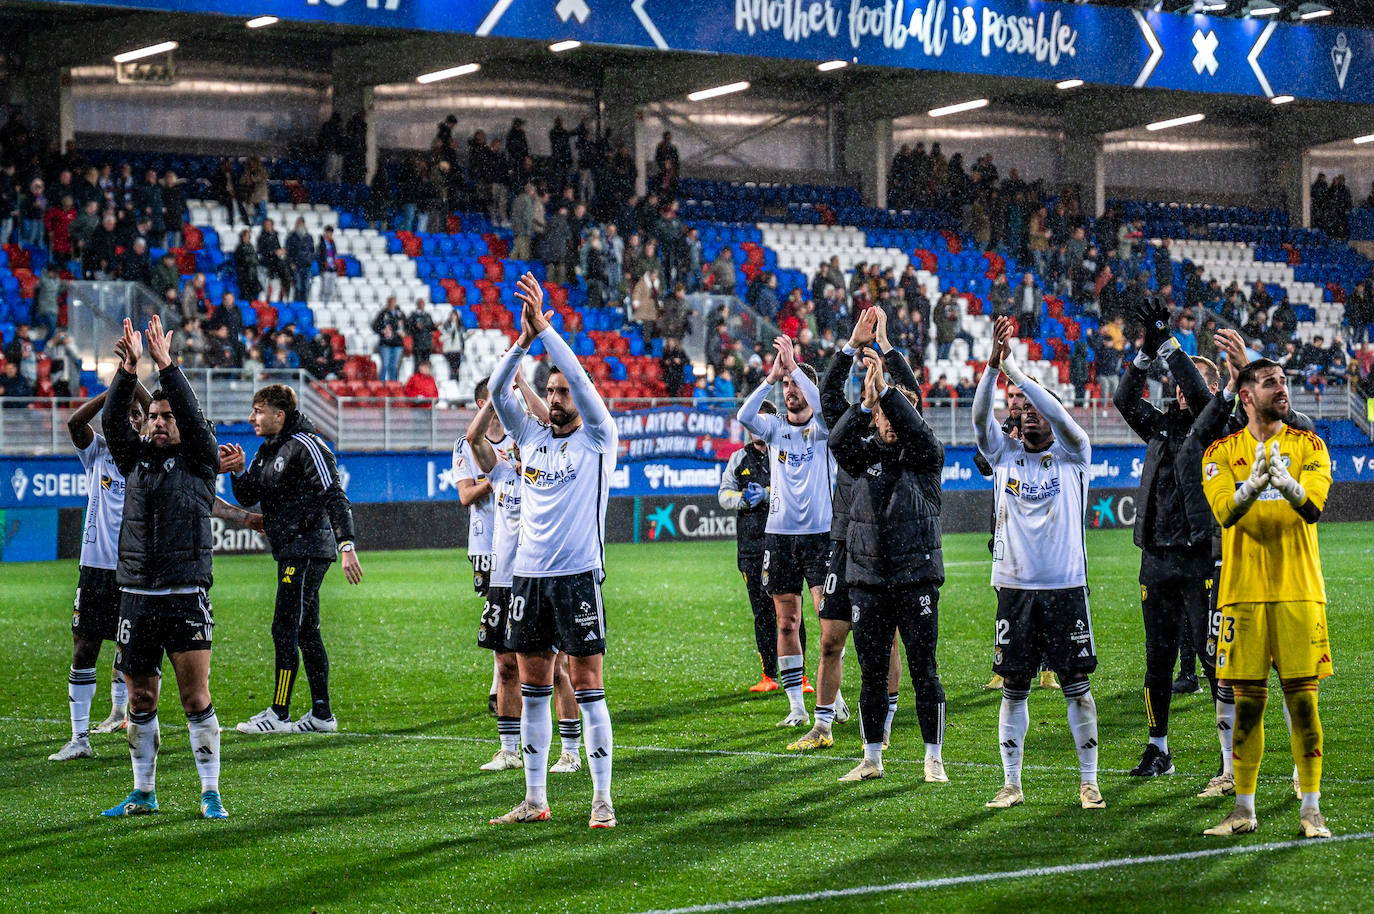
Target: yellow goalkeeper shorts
{"type": "Point", "coordinates": [1289, 637]}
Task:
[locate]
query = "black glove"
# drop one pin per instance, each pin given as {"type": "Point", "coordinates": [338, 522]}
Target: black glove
{"type": "Point", "coordinates": [1154, 316]}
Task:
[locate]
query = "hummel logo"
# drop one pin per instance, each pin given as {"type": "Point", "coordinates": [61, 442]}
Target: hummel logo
{"type": "Point", "coordinates": [599, 752]}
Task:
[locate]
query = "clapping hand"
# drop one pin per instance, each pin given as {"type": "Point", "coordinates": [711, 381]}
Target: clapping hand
{"type": "Point", "coordinates": [130, 347]}
{"type": "Point", "coordinates": [874, 383]}
{"type": "Point", "coordinates": [864, 328]}
{"type": "Point", "coordinates": [231, 458]}
{"type": "Point", "coordinates": [1282, 480]}
{"type": "Point", "coordinates": [1154, 316]}
{"type": "Point", "coordinates": [159, 343]}
{"type": "Point", "coordinates": [786, 354]}
{"type": "Point", "coordinates": [1259, 479]}
{"type": "Point", "coordinates": [1001, 342]}
{"type": "Point", "coordinates": [533, 317]}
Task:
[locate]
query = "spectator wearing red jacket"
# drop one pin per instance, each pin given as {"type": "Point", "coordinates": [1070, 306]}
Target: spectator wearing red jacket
{"type": "Point", "coordinates": [58, 222]}
{"type": "Point", "coordinates": [421, 384]}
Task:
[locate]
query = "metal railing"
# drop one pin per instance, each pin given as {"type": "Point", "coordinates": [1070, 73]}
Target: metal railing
{"type": "Point", "coordinates": [38, 425]}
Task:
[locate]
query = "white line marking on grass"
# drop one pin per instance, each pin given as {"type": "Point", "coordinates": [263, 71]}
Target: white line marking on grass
{"type": "Point", "coordinates": [1030, 873]}
{"type": "Point", "coordinates": [725, 753]}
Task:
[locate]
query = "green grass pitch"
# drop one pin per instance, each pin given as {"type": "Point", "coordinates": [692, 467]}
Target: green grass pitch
{"type": "Point", "coordinates": [390, 815]}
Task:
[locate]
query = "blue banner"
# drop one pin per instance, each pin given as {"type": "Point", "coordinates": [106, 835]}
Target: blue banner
{"type": "Point", "coordinates": [678, 431]}
{"type": "Point", "coordinates": [1019, 38]}
{"type": "Point", "coordinates": [59, 482]}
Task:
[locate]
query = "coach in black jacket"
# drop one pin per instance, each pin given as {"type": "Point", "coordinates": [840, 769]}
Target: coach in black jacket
{"type": "Point", "coordinates": [1173, 525]}
{"type": "Point", "coordinates": [165, 568]}
{"type": "Point", "coordinates": [895, 563]}
{"type": "Point", "coordinates": [306, 516]}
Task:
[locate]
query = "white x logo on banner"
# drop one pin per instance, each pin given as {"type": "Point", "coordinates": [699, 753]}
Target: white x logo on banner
{"type": "Point", "coordinates": [1206, 56]}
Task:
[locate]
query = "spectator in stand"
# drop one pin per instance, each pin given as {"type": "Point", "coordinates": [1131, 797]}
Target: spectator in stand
{"type": "Point", "coordinates": [1338, 208]}
{"type": "Point", "coordinates": [133, 264]}
{"type": "Point", "coordinates": [45, 310]}
{"type": "Point", "coordinates": [253, 365]}
{"type": "Point", "coordinates": [411, 193]}
{"type": "Point", "coordinates": [1038, 240]}
{"type": "Point", "coordinates": [560, 151]}
{"type": "Point", "coordinates": [437, 202]}
{"type": "Point", "coordinates": [195, 299]}
{"type": "Point", "coordinates": [673, 363]}
{"type": "Point", "coordinates": [223, 349]}
{"type": "Point", "coordinates": [999, 296]}
{"type": "Point", "coordinates": [666, 154]}
{"type": "Point", "coordinates": [1359, 313]}
{"type": "Point", "coordinates": [57, 221]}
{"type": "Point", "coordinates": [1183, 332]}
{"type": "Point", "coordinates": [670, 233]}
{"type": "Point", "coordinates": [939, 393]}
{"type": "Point", "coordinates": [1207, 339]}
{"type": "Point", "coordinates": [1260, 299]}
{"type": "Point", "coordinates": [421, 327]}
{"type": "Point", "coordinates": [246, 267]}
{"type": "Point", "coordinates": [65, 366]}
{"type": "Point", "coordinates": [1079, 373]}
{"type": "Point", "coordinates": [526, 222]}
{"type": "Point", "coordinates": [253, 188]}
{"type": "Point", "coordinates": [692, 253]}
{"type": "Point", "coordinates": [675, 314]}
{"type": "Point", "coordinates": [390, 327]}
{"type": "Point", "coordinates": [1284, 312]}
{"type": "Point", "coordinates": [1026, 300]}
{"type": "Point", "coordinates": [946, 325]}
{"type": "Point", "coordinates": [98, 258]}
{"type": "Point", "coordinates": [1316, 360]}
{"type": "Point", "coordinates": [272, 260]}
{"type": "Point", "coordinates": [20, 351]}
{"type": "Point", "coordinates": [14, 386]}
{"type": "Point", "coordinates": [421, 384]}
{"type": "Point", "coordinates": [554, 245]}
{"type": "Point", "coordinates": [454, 336]}
{"type": "Point", "coordinates": [284, 358]}
{"type": "Point", "coordinates": [320, 361]}
{"type": "Point", "coordinates": [1290, 360]}
{"type": "Point", "coordinates": [32, 210]}
{"type": "Point", "coordinates": [594, 276]}
{"type": "Point", "coordinates": [765, 294]}
{"type": "Point", "coordinates": [614, 252]}
{"type": "Point", "coordinates": [9, 201]}
{"type": "Point", "coordinates": [148, 204]}
{"type": "Point", "coordinates": [517, 143]}
{"type": "Point", "coordinates": [355, 149]}
{"type": "Point", "coordinates": [83, 227]}
{"type": "Point", "coordinates": [227, 314]}
{"type": "Point", "coordinates": [700, 391]}
{"type": "Point", "coordinates": [166, 277]}
{"type": "Point", "coordinates": [327, 259]}
{"type": "Point", "coordinates": [377, 209]}
{"type": "Point", "coordinates": [723, 272]}
{"type": "Point", "coordinates": [965, 391]}
{"type": "Point", "coordinates": [173, 209]}
{"type": "Point", "coordinates": [188, 346]}
{"type": "Point", "coordinates": [331, 144]}
{"type": "Point", "coordinates": [724, 385]}
{"type": "Point", "coordinates": [300, 256]}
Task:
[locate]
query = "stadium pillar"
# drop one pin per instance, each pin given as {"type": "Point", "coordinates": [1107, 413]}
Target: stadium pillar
{"type": "Point", "coordinates": [1290, 166]}
{"type": "Point", "coordinates": [45, 90]}
{"type": "Point", "coordinates": [621, 118]}
{"type": "Point", "coordinates": [348, 99]}
{"type": "Point", "coordinates": [866, 151]}
{"type": "Point", "coordinates": [1083, 165]}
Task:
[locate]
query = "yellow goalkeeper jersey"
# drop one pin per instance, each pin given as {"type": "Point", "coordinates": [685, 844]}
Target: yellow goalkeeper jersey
{"type": "Point", "coordinates": [1270, 554]}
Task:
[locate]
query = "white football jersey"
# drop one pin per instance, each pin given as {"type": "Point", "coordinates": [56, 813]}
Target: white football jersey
{"type": "Point", "coordinates": [1038, 540]}
{"type": "Point", "coordinates": [505, 493]}
{"type": "Point", "coordinates": [104, 506]}
{"type": "Point", "coordinates": [801, 495]}
{"type": "Point", "coordinates": [565, 480]}
{"type": "Point", "coordinates": [480, 514]}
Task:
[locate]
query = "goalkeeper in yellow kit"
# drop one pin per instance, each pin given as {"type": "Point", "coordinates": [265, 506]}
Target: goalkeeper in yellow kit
{"type": "Point", "coordinates": [1267, 485]}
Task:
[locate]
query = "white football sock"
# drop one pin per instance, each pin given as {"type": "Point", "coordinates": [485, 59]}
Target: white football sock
{"type": "Point", "coordinates": [570, 735]}
{"type": "Point", "coordinates": [536, 733]}
{"type": "Point", "coordinates": [1226, 732]}
{"type": "Point", "coordinates": [144, 740]}
{"type": "Point", "coordinates": [1013, 720]}
{"type": "Point", "coordinates": [204, 727]}
{"type": "Point", "coordinates": [790, 676]}
{"type": "Point", "coordinates": [596, 722]}
{"type": "Point", "coordinates": [1082, 714]}
{"type": "Point", "coordinates": [119, 691]}
{"type": "Point", "coordinates": [80, 692]}
{"type": "Point", "coordinates": [874, 753]}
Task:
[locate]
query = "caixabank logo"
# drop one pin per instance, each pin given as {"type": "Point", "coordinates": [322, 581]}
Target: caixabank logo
{"type": "Point", "coordinates": [689, 518]}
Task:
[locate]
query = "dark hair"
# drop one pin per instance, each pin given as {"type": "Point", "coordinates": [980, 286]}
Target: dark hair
{"type": "Point", "coordinates": [767, 408]}
{"type": "Point", "coordinates": [276, 396]}
{"type": "Point", "coordinates": [158, 394]}
{"type": "Point", "coordinates": [809, 371]}
{"type": "Point", "coordinates": [483, 389]}
{"type": "Point", "coordinates": [1250, 373]}
{"type": "Point", "coordinates": [554, 369]}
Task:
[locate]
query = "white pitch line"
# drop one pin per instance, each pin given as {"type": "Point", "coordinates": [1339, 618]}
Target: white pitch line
{"type": "Point", "coordinates": [1030, 873]}
{"type": "Point", "coordinates": [726, 753]}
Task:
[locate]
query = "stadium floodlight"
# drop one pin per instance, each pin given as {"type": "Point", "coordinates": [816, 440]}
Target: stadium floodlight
{"type": "Point", "coordinates": [1209, 6]}
{"type": "Point", "coordinates": [451, 72]}
{"type": "Point", "coordinates": [262, 22]}
{"type": "Point", "coordinates": [149, 51]}
{"type": "Point", "coordinates": [558, 47]}
{"type": "Point", "coordinates": [1175, 122]}
{"type": "Point", "coordinates": [832, 65]}
{"type": "Point", "coordinates": [1068, 84]}
{"type": "Point", "coordinates": [1361, 140]}
{"type": "Point", "coordinates": [961, 107]}
{"type": "Point", "coordinates": [1309, 11]}
{"type": "Point", "coordinates": [1258, 8]}
{"type": "Point", "coordinates": [729, 89]}
{"type": "Point", "coordinates": [1281, 99]}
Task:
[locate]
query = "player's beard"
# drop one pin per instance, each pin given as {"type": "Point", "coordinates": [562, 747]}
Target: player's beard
{"type": "Point", "coordinates": [559, 416]}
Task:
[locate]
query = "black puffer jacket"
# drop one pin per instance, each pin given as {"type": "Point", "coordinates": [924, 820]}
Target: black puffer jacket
{"type": "Point", "coordinates": [165, 540]}
{"type": "Point", "coordinates": [894, 515]}
{"type": "Point", "coordinates": [305, 512]}
{"type": "Point", "coordinates": [833, 406]}
{"type": "Point", "coordinates": [1171, 513]}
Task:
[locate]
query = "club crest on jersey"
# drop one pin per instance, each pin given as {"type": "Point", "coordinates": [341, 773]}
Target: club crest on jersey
{"type": "Point", "coordinates": [1046, 461]}
{"type": "Point", "coordinates": [279, 464]}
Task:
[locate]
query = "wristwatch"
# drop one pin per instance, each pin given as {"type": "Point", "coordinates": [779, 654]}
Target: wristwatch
{"type": "Point", "coordinates": [346, 546]}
